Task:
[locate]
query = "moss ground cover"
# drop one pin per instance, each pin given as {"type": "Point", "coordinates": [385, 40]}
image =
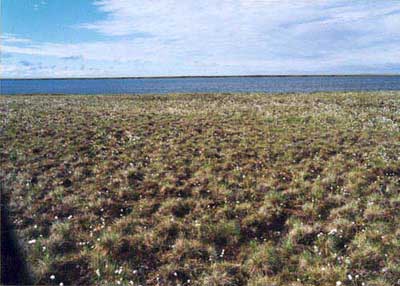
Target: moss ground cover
{"type": "Point", "coordinates": [205, 189]}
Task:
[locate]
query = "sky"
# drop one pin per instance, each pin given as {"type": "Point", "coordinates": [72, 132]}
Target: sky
{"type": "Point", "coordinates": [113, 38]}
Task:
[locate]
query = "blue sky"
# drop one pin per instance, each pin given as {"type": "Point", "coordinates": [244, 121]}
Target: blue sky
{"type": "Point", "coordinates": [64, 38]}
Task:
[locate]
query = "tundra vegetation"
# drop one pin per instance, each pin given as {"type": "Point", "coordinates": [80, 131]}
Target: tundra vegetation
{"type": "Point", "coordinates": [205, 189]}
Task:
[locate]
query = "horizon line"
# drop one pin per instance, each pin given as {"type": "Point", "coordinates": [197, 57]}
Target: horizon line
{"type": "Point", "coordinates": [201, 76]}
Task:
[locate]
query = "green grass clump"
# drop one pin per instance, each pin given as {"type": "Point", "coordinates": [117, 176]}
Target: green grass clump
{"type": "Point", "coordinates": [205, 189]}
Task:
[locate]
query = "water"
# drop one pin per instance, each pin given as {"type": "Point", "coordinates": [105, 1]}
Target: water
{"type": "Point", "coordinates": [196, 85]}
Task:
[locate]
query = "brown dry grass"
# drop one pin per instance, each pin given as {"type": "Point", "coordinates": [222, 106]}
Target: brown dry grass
{"type": "Point", "coordinates": [213, 189]}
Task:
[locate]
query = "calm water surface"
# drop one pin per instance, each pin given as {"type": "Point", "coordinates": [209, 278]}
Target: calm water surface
{"type": "Point", "coordinates": [195, 85]}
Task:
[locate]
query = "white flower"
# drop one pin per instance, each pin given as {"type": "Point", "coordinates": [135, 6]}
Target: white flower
{"type": "Point", "coordinates": [52, 277]}
{"type": "Point", "coordinates": [338, 283]}
{"type": "Point", "coordinates": [32, 241]}
{"type": "Point", "coordinates": [350, 277]}
{"type": "Point", "coordinates": [61, 284]}
{"type": "Point", "coordinates": [98, 272]}
{"type": "Point", "coordinates": [333, 231]}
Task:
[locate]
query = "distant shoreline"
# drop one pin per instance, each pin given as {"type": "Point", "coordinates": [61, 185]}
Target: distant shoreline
{"type": "Point", "coordinates": [206, 76]}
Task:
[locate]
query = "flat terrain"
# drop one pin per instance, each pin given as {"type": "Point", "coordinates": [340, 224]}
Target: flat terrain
{"type": "Point", "coordinates": [213, 189]}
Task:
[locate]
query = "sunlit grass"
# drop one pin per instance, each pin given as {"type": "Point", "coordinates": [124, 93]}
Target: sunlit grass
{"type": "Point", "coordinates": [213, 189]}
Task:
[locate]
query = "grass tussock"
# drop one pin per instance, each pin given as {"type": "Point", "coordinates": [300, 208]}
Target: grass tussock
{"type": "Point", "coordinates": [206, 189]}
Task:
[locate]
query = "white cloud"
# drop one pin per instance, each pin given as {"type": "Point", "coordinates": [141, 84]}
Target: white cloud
{"type": "Point", "coordinates": [40, 70]}
{"type": "Point", "coordinates": [235, 36]}
{"type": "Point", "coordinates": [9, 38]}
